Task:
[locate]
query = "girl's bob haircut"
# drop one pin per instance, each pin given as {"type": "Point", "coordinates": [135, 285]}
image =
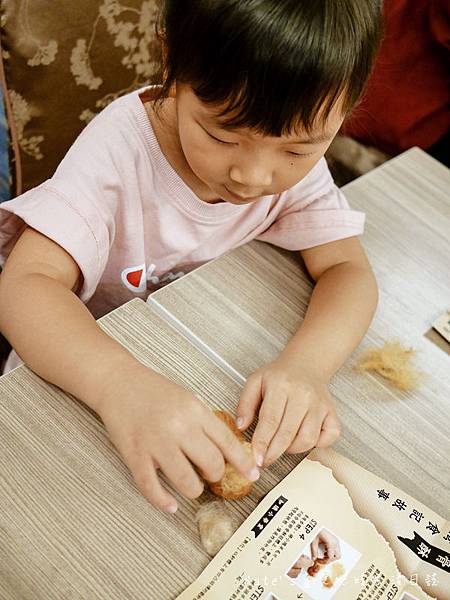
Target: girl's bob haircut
{"type": "Point", "coordinates": [273, 66]}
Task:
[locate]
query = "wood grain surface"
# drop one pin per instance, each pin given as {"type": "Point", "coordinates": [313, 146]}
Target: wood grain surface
{"type": "Point", "coordinates": [72, 522]}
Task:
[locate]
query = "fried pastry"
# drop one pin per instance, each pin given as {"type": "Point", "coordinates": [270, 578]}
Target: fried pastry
{"type": "Point", "coordinates": [233, 485]}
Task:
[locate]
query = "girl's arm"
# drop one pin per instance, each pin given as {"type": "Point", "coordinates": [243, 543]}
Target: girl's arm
{"type": "Point", "coordinates": [297, 411]}
{"type": "Point", "coordinates": [340, 310]}
{"type": "Point", "coordinates": [47, 324]}
{"type": "Point", "coordinates": [154, 423]}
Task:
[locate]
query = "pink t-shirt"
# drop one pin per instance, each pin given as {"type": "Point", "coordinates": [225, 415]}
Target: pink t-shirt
{"type": "Point", "coordinates": [118, 207]}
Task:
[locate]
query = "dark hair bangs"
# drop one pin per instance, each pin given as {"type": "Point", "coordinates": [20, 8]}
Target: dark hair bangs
{"type": "Point", "coordinates": [273, 66]}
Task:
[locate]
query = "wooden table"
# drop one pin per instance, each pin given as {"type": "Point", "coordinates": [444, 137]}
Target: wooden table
{"type": "Point", "coordinates": [72, 523]}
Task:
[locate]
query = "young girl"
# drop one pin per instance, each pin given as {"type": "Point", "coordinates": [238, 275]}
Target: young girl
{"type": "Point", "coordinates": [229, 149]}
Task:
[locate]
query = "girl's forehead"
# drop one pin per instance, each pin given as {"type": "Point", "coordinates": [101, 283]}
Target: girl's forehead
{"type": "Point", "coordinates": [216, 115]}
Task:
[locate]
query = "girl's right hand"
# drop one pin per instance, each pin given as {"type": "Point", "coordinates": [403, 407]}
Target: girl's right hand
{"type": "Point", "coordinates": [156, 424]}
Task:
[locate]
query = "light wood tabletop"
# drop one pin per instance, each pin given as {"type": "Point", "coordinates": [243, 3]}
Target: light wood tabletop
{"type": "Point", "coordinates": [72, 522]}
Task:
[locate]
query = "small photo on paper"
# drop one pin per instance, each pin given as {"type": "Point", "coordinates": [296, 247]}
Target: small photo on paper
{"type": "Point", "coordinates": [406, 596]}
{"type": "Point", "coordinates": [323, 565]}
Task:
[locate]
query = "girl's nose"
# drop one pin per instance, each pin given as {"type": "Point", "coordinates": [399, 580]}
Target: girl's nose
{"type": "Point", "coordinates": [253, 176]}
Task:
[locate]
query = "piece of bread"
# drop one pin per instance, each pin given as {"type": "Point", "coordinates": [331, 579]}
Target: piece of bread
{"type": "Point", "coordinates": [233, 485]}
{"type": "Point", "coordinates": [228, 420]}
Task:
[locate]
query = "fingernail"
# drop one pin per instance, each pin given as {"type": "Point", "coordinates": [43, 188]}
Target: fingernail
{"type": "Point", "coordinates": [259, 459]}
{"type": "Point", "coordinates": [239, 422]}
{"type": "Point", "coordinates": [254, 474]}
{"type": "Point", "coordinates": [172, 508]}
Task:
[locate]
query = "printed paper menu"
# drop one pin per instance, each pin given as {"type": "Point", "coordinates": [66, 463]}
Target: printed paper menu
{"type": "Point", "coordinates": [328, 530]}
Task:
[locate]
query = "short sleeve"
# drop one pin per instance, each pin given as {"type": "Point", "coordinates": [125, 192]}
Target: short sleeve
{"type": "Point", "coordinates": [313, 212]}
{"type": "Point", "coordinates": [76, 207]}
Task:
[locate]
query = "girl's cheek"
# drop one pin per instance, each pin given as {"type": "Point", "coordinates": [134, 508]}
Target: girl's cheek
{"type": "Point", "coordinates": [193, 150]}
{"type": "Point", "coordinates": [206, 168]}
{"type": "Point", "coordinates": [296, 170]}
{"type": "Point", "coordinates": [207, 158]}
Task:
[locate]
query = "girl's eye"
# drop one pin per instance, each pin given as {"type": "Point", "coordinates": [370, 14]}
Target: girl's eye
{"type": "Point", "coordinates": [297, 154]}
{"type": "Point", "coordinates": [217, 139]}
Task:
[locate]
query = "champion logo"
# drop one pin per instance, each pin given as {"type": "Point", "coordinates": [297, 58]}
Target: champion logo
{"type": "Point", "coordinates": [135, 278]}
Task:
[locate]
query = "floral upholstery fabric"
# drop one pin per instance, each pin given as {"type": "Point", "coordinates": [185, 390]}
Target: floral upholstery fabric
{"type": "Point", "coordinates": [64, 62]}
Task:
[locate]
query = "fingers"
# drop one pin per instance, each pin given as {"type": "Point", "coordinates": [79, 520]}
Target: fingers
{"type": "Point", "coordinates": [286, 433]}
{"type": "Point", "coordinates": [180, 472]}
{"type": "Point", "coordinates": [231, 448]}
{"type": "Point", "coordinates": [249, 401]}
{"type": "Point", "coordinates": [331, 430]}
{"type": "Point", "coordinates": [150, 487]}
{"type": "Point", "coordinates": [302, 563]}
{"type": "Point", "coordinates": [331, 543]}
{"type": "Point", "coordinates": [208, 458]}
{"type": "Point", "coordinates": [270, 417]}
{"type": "Point", "coordinates": [177, 469]}
{"type": "Point", "coordinates": [332, 552]}
{"type": "Point", "coordinates": [293, 572]}
{"type": "Point", "coordinates": [308, 434]}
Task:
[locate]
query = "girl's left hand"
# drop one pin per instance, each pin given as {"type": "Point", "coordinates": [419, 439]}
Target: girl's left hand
{"type": "Point", "coordinates": [297, 412]}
